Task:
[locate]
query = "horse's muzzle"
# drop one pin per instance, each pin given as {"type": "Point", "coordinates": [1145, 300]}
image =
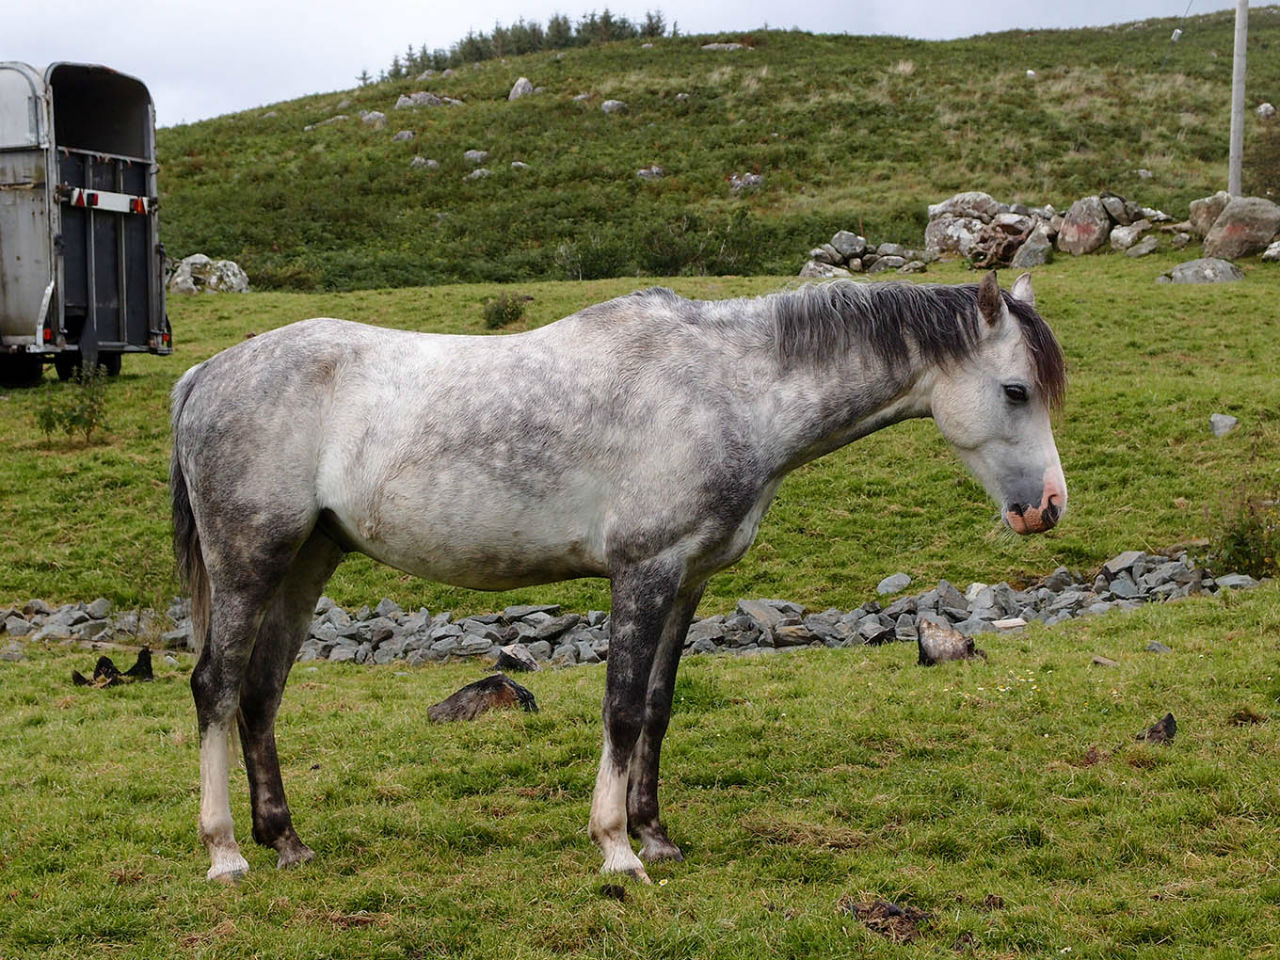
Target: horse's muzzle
{"type": "Point", "coordinates": [1025, 519]}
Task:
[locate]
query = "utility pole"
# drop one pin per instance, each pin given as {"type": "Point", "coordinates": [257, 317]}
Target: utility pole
{"type": "Point", "coordinates": [1237, 98]}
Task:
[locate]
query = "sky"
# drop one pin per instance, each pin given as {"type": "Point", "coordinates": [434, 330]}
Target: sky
{"type": "Point", "coordinates": [205, 59]}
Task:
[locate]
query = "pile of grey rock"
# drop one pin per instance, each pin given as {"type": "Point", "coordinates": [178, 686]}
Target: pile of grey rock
{"type": "Point", "coordinates": [544, 634]}
{"type": "Point", "coordinates": [201, 274]}
{"type": "Point", "coordinates": [848, 253]}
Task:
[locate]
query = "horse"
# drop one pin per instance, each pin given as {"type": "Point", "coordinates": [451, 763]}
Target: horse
{"type": "Point", "coordinates": [641, 439]}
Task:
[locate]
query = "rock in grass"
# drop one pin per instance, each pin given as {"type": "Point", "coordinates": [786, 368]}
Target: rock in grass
{"type": "Point", "coordinates": [893, 584]}
{"type": "Point", "coordinates": [1163, 731]}
{"type": "Point", "coordinates": [491, 693]}
{"type": "Point", "coordinates": [939, 644]}
{"type": "Point", "coordinates": [1205, 270]}
{"type": "Point", "coordinates": [516, 656]}
{"type": "Point", "coordinates": [1222, 423]}
{"type": "Point", "coordinates": [1155, 646]}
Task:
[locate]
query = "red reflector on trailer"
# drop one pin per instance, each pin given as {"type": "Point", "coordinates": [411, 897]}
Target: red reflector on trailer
{"type": "Point", "coordinates": [48, 335]}
{"type": "Point", "coordinates": [93, 199]}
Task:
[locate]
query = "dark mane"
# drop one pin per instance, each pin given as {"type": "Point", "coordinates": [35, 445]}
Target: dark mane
{"type": "Point", "coordinates": [941, 322]}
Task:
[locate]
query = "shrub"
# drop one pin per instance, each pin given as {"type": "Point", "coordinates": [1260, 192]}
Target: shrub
{"type": "Point", "coordinates": [79, 408]}
{"type": "Point", "coordinates": [1249, 541]}
{"type": "Point", "coordinates": [504, 310]}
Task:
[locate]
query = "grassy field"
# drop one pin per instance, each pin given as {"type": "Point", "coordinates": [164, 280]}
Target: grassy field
{"type": "Point", "coordinates": [848, 132]}
{"type": "Point", "coordinates": [1148, 363]}
{"type": "Point", "coordinates": [792, 782]}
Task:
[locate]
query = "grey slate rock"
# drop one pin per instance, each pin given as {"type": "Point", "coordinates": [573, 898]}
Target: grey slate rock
{"type": "Point", "coordinates": [1155, 646]}
{"type": "Point", "coordinates": [1121, 562]}
{"type": "Point", "coordinates": [523, 610]}
{"type": "Point", "coordinates": [893, 583]}
{"type": "Point", "coordinates": [1236, 581]}
{"type": "Point", "coordinates": [1206, 270]}
{"type": "Point", "coordinates": [1222, 423]}
{"type": "Point", "coordinates": [761, 613]}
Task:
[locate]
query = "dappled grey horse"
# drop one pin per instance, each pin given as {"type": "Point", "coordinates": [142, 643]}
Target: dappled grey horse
{"type": "Point", "coordinates": [640, 440]}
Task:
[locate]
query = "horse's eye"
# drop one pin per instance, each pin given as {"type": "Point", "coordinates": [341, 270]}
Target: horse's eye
{"type": "Point", "coordinates": [1015, 392]}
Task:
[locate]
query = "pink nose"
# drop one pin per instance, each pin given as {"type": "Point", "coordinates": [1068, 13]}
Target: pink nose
{"type": "Point", "coordinates": [1027, 519]}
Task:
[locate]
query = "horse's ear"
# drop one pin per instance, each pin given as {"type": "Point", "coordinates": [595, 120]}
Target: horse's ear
{"type": "Point", "coordinates": [1022, 290]}
{"type": "Point", "coordinates": [989, 298]}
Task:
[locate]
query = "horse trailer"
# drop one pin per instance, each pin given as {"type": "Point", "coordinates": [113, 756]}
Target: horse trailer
{"type": "Point", "coordinates": [81, 265]}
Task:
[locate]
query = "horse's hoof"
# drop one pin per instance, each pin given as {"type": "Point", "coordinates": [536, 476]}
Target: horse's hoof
{"type": "Point", "coordinates": [660, 850]}
{"type": "Point", "coordinates": [230, 870]}
{"type": "Point", "coordinates": [295, 857]}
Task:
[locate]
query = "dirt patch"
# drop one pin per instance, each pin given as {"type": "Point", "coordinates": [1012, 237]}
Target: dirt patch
{"type": "Point", "coordinates": [1245, 716]}
{"type": "Point", "coordinates": [897, 923]}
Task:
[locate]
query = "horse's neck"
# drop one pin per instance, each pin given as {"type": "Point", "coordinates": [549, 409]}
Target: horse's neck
{"type": "Point", "coordinates": [815, 408]}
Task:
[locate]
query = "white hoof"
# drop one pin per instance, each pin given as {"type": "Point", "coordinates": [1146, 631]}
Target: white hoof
{"type": "Point", "coordinates": [625, 861]}
{"type": "Point", "coordinates": [230, 868]}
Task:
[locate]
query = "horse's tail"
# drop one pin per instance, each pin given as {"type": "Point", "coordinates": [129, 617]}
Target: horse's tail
{"type": "Point", "coordinates": [186, 538]}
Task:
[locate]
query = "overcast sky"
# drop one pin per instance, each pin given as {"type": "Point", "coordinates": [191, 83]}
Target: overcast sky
{"type": "Point", "coordinates": [204, 59]}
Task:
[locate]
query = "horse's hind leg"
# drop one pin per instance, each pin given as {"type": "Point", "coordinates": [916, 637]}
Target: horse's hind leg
{"type": "Point", "coordinates": [642, 784]}
{"type": "Point", "coordinates": [283, 630]}
{"type": "Point", "coordinates": [215, 684]}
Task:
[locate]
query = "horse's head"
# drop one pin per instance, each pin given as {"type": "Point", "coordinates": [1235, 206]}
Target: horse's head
{"type": "Point", "coordinates": [993, 407]}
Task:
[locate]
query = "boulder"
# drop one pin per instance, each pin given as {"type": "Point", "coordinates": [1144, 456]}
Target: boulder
{"type": "Point", "coordinates": [1245, 227]}
{"type": "Point", "coordinates": [476, 157]}
{"type": "Point", "coordinates": [374, 118]}
{"type": "Point", "coordinates": [1272, 253]}
{"type": "Point", "coordinates": [613, 106]}
{"type": "Point", "coordinates": [521, 88]}
{"type": "Point", "coordinates": [1143, 247]}
{"type": "Point", "coordinates": [1085, 227]}
{"type": "Point", "coordinates": [1205, 211]}
{"type": "Point", "coordinates": [200, 274]}
{"type": "Point", "coordinates": [1266, 111]}
{"type": "Point", "coordinates": [848, 244]}
{"type": "Point", "coordinates": [420, 99]}
{"type": "Point", "coordinates": [1124, 237]}
{"type": "Point", "coordinates": [404, 136]}
{"type": "Point", "coordinates": [813, 270]}
{"type": "Point", "coordinates": [1205, 270]}
{"type": "Point", "coordinates": [972, 204]}
{"type": "Point", "coordinates": [1035, 251]}
{"type": "Point", "coordinates": [951, 234]}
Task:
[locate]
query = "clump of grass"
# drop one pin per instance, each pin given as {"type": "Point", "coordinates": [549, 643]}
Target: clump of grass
{"type": "Point", "coordinates": [1249, 541]}
{"type": "Point", "coordinates": [82, 408]}
{"type": "Point", "coordinates": [504, 310]}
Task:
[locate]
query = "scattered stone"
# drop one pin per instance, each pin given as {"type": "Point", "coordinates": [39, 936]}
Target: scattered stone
{"type": "Point", "coordinates": [723, 46]}
{"type": "Point", "coordinates": [519, 165]}
{"type": "Point", "coordinates": [1085, 227]}
{"type": "Point", "coordinates": [1009, 623]}
{"type": "Point", "coordinates": [1147, 245]}
{"type": "Point", "coordinates": [613, 106]}
{"type": "Point", "coordinates": [491, 693]}
{"type": "Point", "coordinates": [1205, 211]}
{"type": "Point", "coordinates": [744, 181]}
{"type": "Point", "coordinates": [475, 157]}
{"type": "Point", "coordinates": [894, 583]}
{"type": "Point", "coordinates": [654, 172]}
{"type": "Point", "coordinates": [1163, 731]}
{"type": "Point", "coordinates": [13, 652]}
{"type": "Point", "coordinates": [420, 99]}
{"type": "Point", "coordinates": [1105, 662]}
{"type": "Point", "coordinates": [521, 88]}
{"type": "Point", "coordinates": [1222, 423]}
{"type": "Point", "coordinates": [1035, 251]}
{"type": "Point", "coordinates": [1237, 581]}
{"type": "Point", "coordinates": [813, 270]}
{"type": "Point", "coordinates": [1272, 253]}
{"type": "Point", "coordinates": [1155, 646]}
{"type": "Point", "coordinates": [419, 163]}
{"type": "Point", "coordinates": [1124, 237]}
{"type": "Point", "coordinates": [1246, 226]}
{"type": "Point", "coordinates": [516, 656]}
{"type": "Point", "coordinates": [479, 174]}
{"type": "Point", "coordinates": [1205, 270]}
{"type": "Point", "coordinates": [373, 118]}
{"type": "Point", "coordinates": [200, 274]}
{"type": "Point", "coordinates": [1266, 110]}
{"type": "Point", "coordinates": [404, 136]}
{"type": "Point", "coordinates": [939, 644]}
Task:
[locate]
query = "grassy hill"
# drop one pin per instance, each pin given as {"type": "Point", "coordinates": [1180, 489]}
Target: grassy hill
{"type": "Point", "coordinates": [847, 131]}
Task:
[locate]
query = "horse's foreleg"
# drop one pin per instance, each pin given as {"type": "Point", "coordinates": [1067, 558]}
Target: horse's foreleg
{"type": "Point", "coordinates": [215, 684]}
{"type": "Point", "coordinates": [642, 784]}
{"type": "Point", "coordinates": [281, 635]}
{"type": "Point", "coordinates": [642, 599]}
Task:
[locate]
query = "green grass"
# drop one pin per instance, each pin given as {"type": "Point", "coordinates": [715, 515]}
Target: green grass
{"type": "Point", "coordinates": [849, 132]}
{"type": "Point", "coordinates": [1148, 364]}
{"type": "Point", "coordinates": [791, 782]}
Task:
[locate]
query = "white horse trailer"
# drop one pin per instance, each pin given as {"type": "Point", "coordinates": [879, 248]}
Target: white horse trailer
{"type": "Point", "coordinates": [81, 265]}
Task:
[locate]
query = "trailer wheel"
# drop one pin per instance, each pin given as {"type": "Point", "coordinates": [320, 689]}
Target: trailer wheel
{"type": "Point", "coordinates": [66, 365]}
{"type": "Point", "coordinates": [21, 370]}
{"type": "Point", "coordinates": [110, 362]}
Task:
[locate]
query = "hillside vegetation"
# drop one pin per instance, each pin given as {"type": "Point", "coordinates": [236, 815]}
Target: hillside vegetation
{"type": "Point", "coordinates": [847, 131]}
